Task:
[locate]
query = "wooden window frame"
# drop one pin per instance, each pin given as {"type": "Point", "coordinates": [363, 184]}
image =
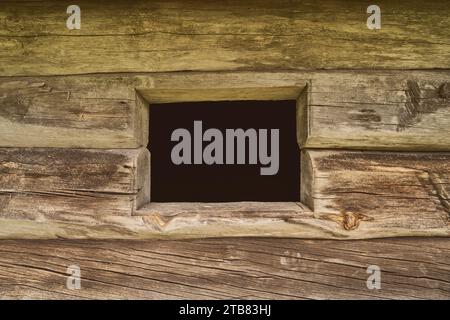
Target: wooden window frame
{"type": "Point", "coordinates": [219, 219]}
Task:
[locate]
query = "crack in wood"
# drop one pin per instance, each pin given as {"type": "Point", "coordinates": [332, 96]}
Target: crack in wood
{"type": "Point", "coordinates": [444, 90]}
{"type": "Point", "coordinates": [441, 192]}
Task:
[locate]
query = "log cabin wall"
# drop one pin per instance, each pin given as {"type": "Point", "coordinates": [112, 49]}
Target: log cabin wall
{"type": "Point", "coordinates": [373, 126]}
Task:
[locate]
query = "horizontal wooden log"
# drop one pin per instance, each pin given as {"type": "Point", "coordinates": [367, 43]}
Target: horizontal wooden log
{"type": "Point", "coordinates": [71, 112]}
{"type": "Point", "coordinates": [397, 111]}
{"type": "Point", "coordinates": [365, 190]}
{"type": "Point", "coordinates": [212, 220]}
{"type": "Point", "coordinates": [226, 269]}
{"type": "Point", "coordinates": [67, 184]}
{"type": "Point", "coordinates": [116, 36]}
{"type": "Point", "coordinates": [391, 110]}
{"type": "Point", "coordinates": [222, 94]}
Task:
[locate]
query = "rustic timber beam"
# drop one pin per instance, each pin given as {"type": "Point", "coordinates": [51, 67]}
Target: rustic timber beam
{"type": "Point", "coordinates": [71, 112]}
{"type": "Point", "coordinates": [378, 110]}
{"type": "Point", "coordinates": [222, 94]}
{"type": "Point", "coordinates": [256, 268]}
{"type": "Point", "coordinates": [71, 184]}
{"type": "Point", "coordinates": [236, 219]}
{"type": "Point", "coordinates": [381, 189]}
{"type": "Point", "coordinates": [395, 111]}
{"type": "Point", "coordinates": [274, 35]}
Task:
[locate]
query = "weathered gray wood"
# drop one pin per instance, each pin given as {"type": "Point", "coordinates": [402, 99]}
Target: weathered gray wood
{"type": "Point", "coordinates": [117, 36]}
{"type": "Point", "coordinates": [221, 94]}
{"type": "Point", "coordinates": [396, 111]}
{"type": "Point", "coordinates": [61, 193]}
{"type": "Point", "coordinates": [226, 269]}
{"type": "Point", "coordinates": [392, 110]}
{"type": "Point", "coordinates": [72, 112]}
{"type": "Point", "coordinates": [68, 184]}
{"type": "Point", "coordinates": [211, 220]}
{"type": "Point", "coordinates": [366, 190]}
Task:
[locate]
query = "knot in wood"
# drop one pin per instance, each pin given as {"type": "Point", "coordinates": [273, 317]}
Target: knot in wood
{"type": "Point", "coordinates": [348, 220]}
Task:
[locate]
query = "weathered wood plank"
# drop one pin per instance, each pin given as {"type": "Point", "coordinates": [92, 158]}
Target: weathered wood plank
{"type": "Point", "coordinates": [366, 190]}
{"type": "Point", "coordinates": [397, 111]}
{"type": "Point", "coordinates": [221, 94]}
{"type": "Point", "coordinates": [211, 220]}
{"type": "Point", "coordinates": [226, 269]}
{"type": "Point", "coordinates": [401, 110]}
{"type": "Point", "coordinates": [40, 184]}
{"type": "Point", "coordinates": [71, 112]}
{"type": "Point", "coordinates": [231, 35]}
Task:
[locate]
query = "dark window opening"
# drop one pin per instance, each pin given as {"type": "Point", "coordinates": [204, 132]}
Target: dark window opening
{"type": "Point", "coordinates": [196, 181]}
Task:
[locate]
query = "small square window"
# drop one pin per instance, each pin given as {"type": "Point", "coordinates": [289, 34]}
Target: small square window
{"type": "Point", "coordinates": [204, 193]}
{"type": "Point", "coordinates": [224, 151]}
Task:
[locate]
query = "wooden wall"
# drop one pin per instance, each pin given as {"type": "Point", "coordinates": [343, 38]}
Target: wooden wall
{"type": "Point", "coordinates": [374, 119]}
{"type": "Point", "coordinates": [158, 36]}
{"type": "Point", "coordinates": [91, 168]}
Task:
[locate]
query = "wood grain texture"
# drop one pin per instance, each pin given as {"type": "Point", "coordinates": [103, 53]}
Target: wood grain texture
{"type": "Point", "coordinates": [71, 112]}
{"type": "Point", "coordinates": [179, 221]}
{"type": "Point", "coordinates": [211, 220]}
{"type": "Point", "coordinates": [40, 184]}
{"type": "Point", "coordinates": [119, 36]}
{"type": "Point", "coordinates": [221, 94]}
{"type": "Point", "coordinates": [396, 111]}
{"type": "Point", "coordinates": [257, 268]}
{"type": "Point", "coordinates": [386, 110]}
{"type": "Point", "coordinates": [366, 189]}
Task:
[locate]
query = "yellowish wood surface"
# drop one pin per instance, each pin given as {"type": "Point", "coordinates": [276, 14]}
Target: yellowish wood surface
{"type": "Point", "coordinates": [158, 36]}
